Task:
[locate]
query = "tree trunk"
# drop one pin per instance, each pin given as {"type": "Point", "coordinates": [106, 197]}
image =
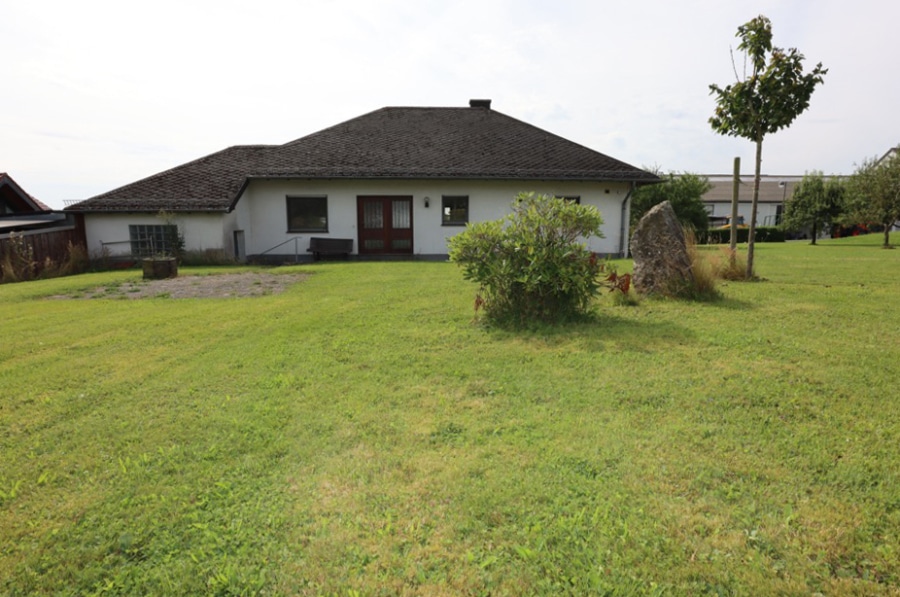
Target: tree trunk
{"type": "Point", "coordinates": [751, 237]}
{"type": "Point", "coordinates": [735, 190]}
{"type": "Point", "coordinates": [887, 235]}
{"type": "Point", "coordinates": [815, 233]}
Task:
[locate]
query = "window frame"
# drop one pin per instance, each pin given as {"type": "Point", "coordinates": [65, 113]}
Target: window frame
{"type": "Point", "coordinates": [148, 240]}
{"type": "Point", "coordinates": [445, 205]}
{"type": "Point", "coordinates": [294, 199]}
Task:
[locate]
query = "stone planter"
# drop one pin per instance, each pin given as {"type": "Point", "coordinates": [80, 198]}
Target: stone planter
{"type": "Point", "coordinates": [159, 268]}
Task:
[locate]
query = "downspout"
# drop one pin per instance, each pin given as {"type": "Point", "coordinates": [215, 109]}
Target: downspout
{"type": "Point", "coordinates": [623, 229]}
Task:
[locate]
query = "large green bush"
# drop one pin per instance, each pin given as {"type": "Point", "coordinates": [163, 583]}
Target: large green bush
{"type": "Point", "coordinates": [531, 265]}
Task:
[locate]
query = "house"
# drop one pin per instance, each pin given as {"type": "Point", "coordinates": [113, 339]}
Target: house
{"type": "Point", "coordinates": [773, 192]}
{"type": "Point", "coordinates": [398, 181]}
{"type": "Point", "coordinates": [47, 233]}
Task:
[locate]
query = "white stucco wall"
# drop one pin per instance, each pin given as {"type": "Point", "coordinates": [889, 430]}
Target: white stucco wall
{"type": "Point", "coordinates": [262, 211]}
{"type": "Point", "coordinates": [261, 214]}
{"type": "Point", "coordinates": [201, 230]}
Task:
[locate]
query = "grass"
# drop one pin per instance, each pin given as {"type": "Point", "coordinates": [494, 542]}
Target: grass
{"type": "Point", "coordinates": [359, 434]}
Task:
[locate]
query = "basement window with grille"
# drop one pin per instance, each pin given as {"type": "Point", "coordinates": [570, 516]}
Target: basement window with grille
{"type": "Point", "coordinates": [151, 240]}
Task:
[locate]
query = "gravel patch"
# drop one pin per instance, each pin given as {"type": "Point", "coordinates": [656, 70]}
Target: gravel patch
{"type": "Point", "coordinates": [212, 286]}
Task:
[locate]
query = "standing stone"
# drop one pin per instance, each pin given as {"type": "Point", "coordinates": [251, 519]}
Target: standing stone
{"type": "Point", "coordinates": [661, 261]}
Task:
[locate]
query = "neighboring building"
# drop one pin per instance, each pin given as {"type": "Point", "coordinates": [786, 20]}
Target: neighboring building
{"type": "Point", "coordinates": [397, 181]}
{"type": "Point", "coordinates": [773, 191]}
{"type": "Point", "coordinates": [16, 204]}
{"type": "Point", "coordinates": [889, 154]}
{"type": "Point", "coordinates": [47, 232]}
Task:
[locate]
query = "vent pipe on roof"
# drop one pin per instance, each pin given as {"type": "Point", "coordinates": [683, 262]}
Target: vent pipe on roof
{"type": "Point", "coordinates": [480, 103]}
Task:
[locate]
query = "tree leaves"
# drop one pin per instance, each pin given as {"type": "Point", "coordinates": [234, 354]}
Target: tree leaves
{"type": "Point", "coordinates": [772, 95]}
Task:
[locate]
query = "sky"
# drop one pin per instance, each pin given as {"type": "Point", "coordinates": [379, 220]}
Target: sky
{"type": "Point", "coordinates": [100, 93]}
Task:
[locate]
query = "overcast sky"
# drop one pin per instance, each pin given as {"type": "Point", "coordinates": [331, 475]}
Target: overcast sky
{"type": "Point", "coordinates": [97, 93]}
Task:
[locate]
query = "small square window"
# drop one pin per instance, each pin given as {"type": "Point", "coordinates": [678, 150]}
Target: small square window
{"type": "Point", "coordinates": [454, 210]}
{"type": "Point", "coordinates": [307, 214]}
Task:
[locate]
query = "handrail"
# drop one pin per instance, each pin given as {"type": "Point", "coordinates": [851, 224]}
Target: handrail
{"type": "Point", "coordinates": [296, 249]}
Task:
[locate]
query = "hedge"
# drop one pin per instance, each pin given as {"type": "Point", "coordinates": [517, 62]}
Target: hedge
{"type": "Point", "coordinates": [721, 236]}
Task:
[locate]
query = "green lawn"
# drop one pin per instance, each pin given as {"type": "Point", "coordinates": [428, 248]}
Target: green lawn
{"type": "Point", "coordinates": [360, 435]}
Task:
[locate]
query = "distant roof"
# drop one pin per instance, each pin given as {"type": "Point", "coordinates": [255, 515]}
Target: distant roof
{"type": "Point", "coordinates": [772, 189]}
{"type": "Point", "coordinates": [893, 151]}
{"type": "Point", "coordinates": [16, 199]}
{"type": "Point", "coordinates": [391, 143]}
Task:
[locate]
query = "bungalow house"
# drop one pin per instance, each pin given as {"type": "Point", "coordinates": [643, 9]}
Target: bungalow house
{"type": "Point", "coordinates": [398, 181]}
{"type": "Point", "coordinates": [47, 233]}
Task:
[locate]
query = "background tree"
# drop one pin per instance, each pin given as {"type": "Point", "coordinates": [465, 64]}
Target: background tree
{"type": "Point", "coordinates": [815, 203]}
{"type": "Point", "coordinates": [683, 191]}
{"type": "Point", "coordinates": [874, 191]}
{"type": "Point", "coordinates": [768, 99]}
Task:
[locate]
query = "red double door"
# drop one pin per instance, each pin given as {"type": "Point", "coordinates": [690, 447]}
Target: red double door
{"type": "Point", "coordinates": [385, 225]}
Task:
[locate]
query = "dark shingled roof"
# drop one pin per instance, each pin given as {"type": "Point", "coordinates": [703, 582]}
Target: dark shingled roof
{"type": "Point", "coordinates": [390, 143]}
{"type": "Point", "coordinates": [17, 199]}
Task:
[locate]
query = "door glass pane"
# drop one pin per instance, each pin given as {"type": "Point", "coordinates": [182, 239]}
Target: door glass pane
{"type": "Point", "coordinates": [373, 216]}
{"type": "Point", "coordinates": [372, 244]}
{"type": "Point", "coordinates": [400, 210]}
{"type": "Point", "coordinates": [400, 244]}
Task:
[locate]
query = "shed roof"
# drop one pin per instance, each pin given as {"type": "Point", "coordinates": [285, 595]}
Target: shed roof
{"type": "Point", "coordinates": [16, 199]}
{"type": "Point", "coordinates": [390, 143]}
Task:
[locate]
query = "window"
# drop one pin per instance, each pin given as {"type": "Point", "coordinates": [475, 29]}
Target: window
{"type": "Point", "coordinates": [454, 210]}
{"type": "Point", "coordinates": [307, 214]}
{"type": "Point", "coordinates": [149, 240]}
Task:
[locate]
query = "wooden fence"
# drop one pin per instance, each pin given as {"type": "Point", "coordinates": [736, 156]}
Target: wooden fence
{"type": "Point", "coordinates": [52, 244]}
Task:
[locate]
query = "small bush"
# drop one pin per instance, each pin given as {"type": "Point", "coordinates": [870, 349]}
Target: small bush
{"type": "Point", "coordinates": [729, 265]}
{"type": "Point", "coordinates": [207, 257]}
{"type": "Point", "coordinates": [77, 261]}
{"type": "Point", "coordinates": [17, 262]}
{"type": "Point", "coordinates": [704, 272]}
{"type": "Point", "coordinates": [530, 265]}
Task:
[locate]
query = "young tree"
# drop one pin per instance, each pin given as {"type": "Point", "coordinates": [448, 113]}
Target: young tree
{"type": "Point", "coordinates": [875, 193]}
{"type": "Point", "coordinates": [768, 99]}
{"type": "Point", "coordinates": [683, 191]}
{"type": "Point", "coordinates": [815, 202]}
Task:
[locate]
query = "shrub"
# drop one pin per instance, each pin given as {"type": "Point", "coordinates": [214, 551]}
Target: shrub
{"type": "Point", "coordinates": [207, 257]}
{"type": "Point", "coordinates": [530, 264]}
{"type": "Point", "coordinates": [17, 262]}
{"type": "Point", "coordinates": [729, 265]}
{"type": "Point", "coordinates": [704, 272]}
{"type": "Point", "coordinates": [619, 286]}
{"type": "Point", "coordinates": [719, 236]}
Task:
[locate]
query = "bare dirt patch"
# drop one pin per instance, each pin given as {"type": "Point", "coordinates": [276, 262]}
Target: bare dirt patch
{"type": "Point", "coordinates": [212, 286]}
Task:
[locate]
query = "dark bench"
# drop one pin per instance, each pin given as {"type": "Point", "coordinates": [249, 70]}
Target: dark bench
{"type": "Point", "coordinates": [320, 247]}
